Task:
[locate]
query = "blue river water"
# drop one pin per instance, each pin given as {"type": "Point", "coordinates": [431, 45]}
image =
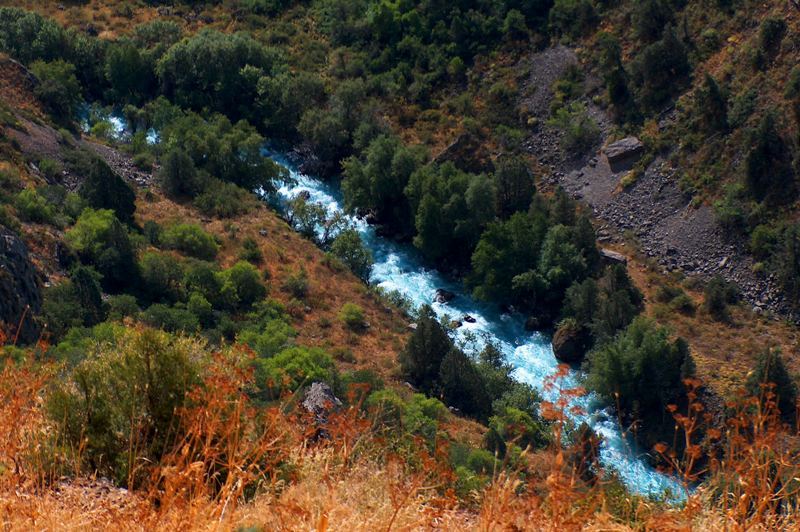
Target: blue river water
{"type": "Point", "coordinates": [399, 268]}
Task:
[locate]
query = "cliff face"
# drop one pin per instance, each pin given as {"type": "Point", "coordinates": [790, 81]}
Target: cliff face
{"type": "Point", "coordinates": [20, 295]}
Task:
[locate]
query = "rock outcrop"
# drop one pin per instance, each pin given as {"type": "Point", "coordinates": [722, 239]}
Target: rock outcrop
{"type": "Point", "coordinates": [623, 153]}
{"type": "Point", "coordinates": [20, 295]}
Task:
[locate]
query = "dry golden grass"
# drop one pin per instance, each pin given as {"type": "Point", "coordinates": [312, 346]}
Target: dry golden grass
{"type": "Point", "coordinates": [724, 352]}
{"type": "Point", "coordinates": [352, 482]}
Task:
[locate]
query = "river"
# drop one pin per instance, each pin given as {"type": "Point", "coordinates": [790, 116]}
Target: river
{"type": "Point", "coordinates": [398, 267]}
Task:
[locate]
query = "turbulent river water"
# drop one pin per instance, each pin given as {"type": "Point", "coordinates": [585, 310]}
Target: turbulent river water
{"type": "Point", "coordinates": [399, 268]}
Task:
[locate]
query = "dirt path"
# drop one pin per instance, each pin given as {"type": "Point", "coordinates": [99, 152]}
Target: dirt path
{"type": "Point", "coordinates": [654, 209]}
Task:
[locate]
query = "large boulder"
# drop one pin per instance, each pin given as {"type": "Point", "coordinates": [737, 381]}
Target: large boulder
{"type": "Point", "coordinates": [20, 295]}
{"type": "Point", "coordinates": [320, 400]}
{"type": "Point", "coordinates": [623, 153]}
{"type": "Point", "coordinates": [443, 296]}
{"type": "Point", "coordinates": [610, 257]}
{"type": "Point", "coordinates": [570, 342]}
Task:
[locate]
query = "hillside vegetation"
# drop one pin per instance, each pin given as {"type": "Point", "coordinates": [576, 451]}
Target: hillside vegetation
{"type": "Point", "coordinates": [178, 352]}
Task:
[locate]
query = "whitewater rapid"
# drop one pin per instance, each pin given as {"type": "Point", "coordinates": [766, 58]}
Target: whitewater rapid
{"type": "Point", "coordinates": [398, 267]}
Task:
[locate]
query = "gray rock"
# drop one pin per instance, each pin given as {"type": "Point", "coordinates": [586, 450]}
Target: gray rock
{"type": "Point", "coordinates": [623, 153]}
{"type": "Point", "coordinates": [20, 295]}
{"type": "Point", "coordinates": [612, 257]}
{"type": "Point", "coordinates": [320, 400]}
{"type": "Point", "coordinates": [443, 296]}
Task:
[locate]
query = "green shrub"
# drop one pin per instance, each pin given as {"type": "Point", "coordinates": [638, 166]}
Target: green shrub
{"type": "Point", "coordinates": [102, 241]}
{"type": "Point", "coordinates": [51, 169]}
{"type": "Point", "coordinates": [104, 189]}
{"type": "Point", "coordinates": [203, 278]}
{"type": "Point", "coordinates": [297, 283]}
{"type": "Point", "coordinates": [352, 316]}
{"type": "Point", "coordinates": [178, 175]}
{"type": "Point", "coordinates": [58, 88]}
{"type": "Point", "coordinates": [202, 310]}
{"type": "Point", "coordinates": [771, 33]}
{"type": "Point", "coordinates": [769, 173]}
{"type": "Point", "coordinates": [118, 406]}
{"type": "Point", "coordinates": [122, 306]}
{"type": "Point", "coordinates": [792, 90]}
{"type": "Point", "coordinates": [33, 207]}
{"type": "Point", "coordinates": [171, 319]}
{"type": "Point", "coordinates": [74, 303]}
{"type": "Point", "coordinates": [162, 277]}
{"type": "Point", "coordinates": [572, 18]}
{"type": "Point", "coordinates": [358, 385]}
{"type": "Point", "coordinates": [144, 161]}
{"type": "Point", "coordinates": [349, 248]}
{"type": "Point", "coordinates": [190, 239]}
{"type": "Point", "coordinates": [152, 232]}
{"type": "Point", "coordinates": [292, 368]}
{"type": "Point", "coordinates": [242, 284]}
{"type": "Point", "coordinates": [719, 293]}
{"type": "Point", "coordinates": [580, 131]}
{"type": "Point", "coordinates": [224, 200]}
{"type": "Point", "coordinates": [683, 304]}
{"type": "Point", "coordinates": [250, 251]}
{"type": "Point", "coordinates": [771, 375]}
{"type": "Point", "coordinates": [641, 372]}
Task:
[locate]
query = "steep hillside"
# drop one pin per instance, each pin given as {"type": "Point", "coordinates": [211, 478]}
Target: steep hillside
{"type": "Point", "coordinates": [615, 181]}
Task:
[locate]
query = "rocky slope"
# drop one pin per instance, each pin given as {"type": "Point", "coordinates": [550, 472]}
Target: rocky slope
{"type": "Point", "coordinates": [670, 229]}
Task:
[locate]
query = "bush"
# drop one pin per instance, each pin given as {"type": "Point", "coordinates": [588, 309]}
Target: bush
{"type": "Point", "coordinates": [33, 207]}
{"type": "Point", "coordinates": [190, 239]}
{"type": "Point", "coordinates": [122, 306]}
{"type": "Point", "coordinates": [118, 405]}
{"type": "Point", "coordinates": [224, 200]}
{"type": "Point", "coordinates": [241, 285]}
{"type": "Point", "coordinates": [771, 33]}
{"type": "Point", "coordinates": [75, 303]}
{"type": "Point", "coordinates": [171, 319]}
{"type": "Point", "coordinates": [178, 175]}
{"type": "Point", "coordinates": [660, 70]}
{"type": "Point", "coordinates": [349, 248]}
{"type": "Point", "coordinates": [719, 293]}
{"type": "Point", "coordinates": [769, 174]}
{"type": "Point", "coordinates": [580, 130]}
{"type": "Point", "coordinates": [104, 189]}
{"type": "Point", "coordinates": [292, 368]}
{"type": "Point", "coordinates": [641, 371]}
{"type": "Point", "coordinates": [771, 370]}
{"type": "Point", "coordinates": [250, 251]}
{"type": "Point", "coordinates": [352, 316]}
{"type": "Point", "coordinates": [572, 18]}
{"type": "Point", "coordinates": [51, 169]}
{"type": "Point", "coordinates": [102, 241]}
{"type": "Point", "coordinates": [297, 283]}
{"type": "Point", "coordinates": [58, 89]}
{"type": "Point", "coordinates": [162, 277]}
{"type": "Point", "coordinates": [202, 310]}
{"type": "Point", "coordinates": [427, 346]}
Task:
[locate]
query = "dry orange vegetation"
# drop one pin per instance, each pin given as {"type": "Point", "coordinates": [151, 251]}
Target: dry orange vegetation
{"type": "Point", "coordinates": [351, 482]}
